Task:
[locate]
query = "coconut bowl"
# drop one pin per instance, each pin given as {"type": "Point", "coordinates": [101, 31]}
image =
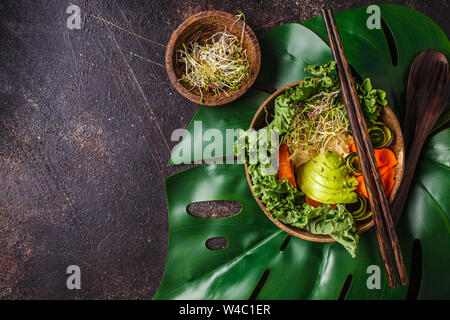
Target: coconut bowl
{"type": "Point", "coordinates": [200, 27]}
{"type": "Point", "coordinates": [397, 146]}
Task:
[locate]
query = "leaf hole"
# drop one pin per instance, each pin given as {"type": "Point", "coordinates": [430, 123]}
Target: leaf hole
{"type": "Point", "coordinates": [393, 50]}
{"type": "Point", "coordinates": [285, 243]}
{"type": "Point", "coordinates": [217, 243]}
{"type": "Point", "coordinates": [214, 209]}
{"type": "Point", "coordinates": [415, 275]}
{"type": "Point", "coordinates": [260, 285]}
{"type": "Point", "coordinates": [345, 287]}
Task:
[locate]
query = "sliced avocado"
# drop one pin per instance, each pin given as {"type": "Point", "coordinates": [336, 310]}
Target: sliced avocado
{"type": "Point", "coordinates": [330, 172]}
{"type": "Point", "coordinates": [333, 184]}
{"type": "Point", "coordinates": [326, 179]}
{"type": "Point", "coordinates": [332, 198]}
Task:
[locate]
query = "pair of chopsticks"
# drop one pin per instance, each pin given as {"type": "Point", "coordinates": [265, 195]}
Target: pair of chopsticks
{"type": "Point", "coordinates": [384, 226]}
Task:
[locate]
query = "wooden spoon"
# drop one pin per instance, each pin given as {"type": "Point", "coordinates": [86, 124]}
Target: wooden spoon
{"type": "Point", "coordinates": [426, 98]}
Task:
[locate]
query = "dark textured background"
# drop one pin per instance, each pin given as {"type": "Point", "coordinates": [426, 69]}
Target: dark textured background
{"type": "Point", "coordinates": [85, 123]}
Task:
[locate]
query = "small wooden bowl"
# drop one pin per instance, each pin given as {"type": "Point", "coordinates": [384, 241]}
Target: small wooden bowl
{"type": "Point", "coordinates": [397, 146]}
{"type": "Point", "coordinates": [202, 26]}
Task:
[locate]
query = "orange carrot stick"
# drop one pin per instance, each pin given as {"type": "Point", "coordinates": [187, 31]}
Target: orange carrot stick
{"type": "Point", "coordinates": [285, 169]}
{"type": "Point", "coordinates": [352, 146]}
{"type": "Point", "coordinates": [361, 186]}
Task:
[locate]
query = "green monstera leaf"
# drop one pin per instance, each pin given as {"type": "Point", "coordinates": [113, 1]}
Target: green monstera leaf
{"type": "Point", "coordinates": [259, 252]}
{"type": "Point", "coordinates": [299, 269]}
{"type": "Point", "coordinates": [222, 119]}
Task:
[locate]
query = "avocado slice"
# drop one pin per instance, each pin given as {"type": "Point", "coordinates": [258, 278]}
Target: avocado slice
{"type": "Point", "coordinates": [326, 179]}
{"type": "Point", "coordinates": [333, 181]}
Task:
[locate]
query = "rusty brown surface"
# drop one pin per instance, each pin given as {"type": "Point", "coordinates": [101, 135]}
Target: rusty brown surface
{"type": "Point", "coordinates": [85, 123]}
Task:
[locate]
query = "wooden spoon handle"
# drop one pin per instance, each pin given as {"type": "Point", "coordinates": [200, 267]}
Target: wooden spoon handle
{"type": "Point", "coordinates": [427, 96]}
{"type": "Point", "coordinates": [413, 158]}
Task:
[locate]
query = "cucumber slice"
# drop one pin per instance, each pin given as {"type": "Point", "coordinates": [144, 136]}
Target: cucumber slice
{"type": "Point", "coordinates": [368, 214]}
{"type": "Point", "coordinates": [358, 208]}
{"type": "Point", "coordinates": [352, 162]}
{"type": "Point", "coordinates": [380, 135]}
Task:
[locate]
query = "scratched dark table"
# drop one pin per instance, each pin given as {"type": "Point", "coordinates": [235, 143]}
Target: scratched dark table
{"type": "Point", "coordinates": [86, 120]}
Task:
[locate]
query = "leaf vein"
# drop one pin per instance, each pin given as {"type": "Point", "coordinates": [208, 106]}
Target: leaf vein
{"type": "Point", "coordinates": [436, 204]}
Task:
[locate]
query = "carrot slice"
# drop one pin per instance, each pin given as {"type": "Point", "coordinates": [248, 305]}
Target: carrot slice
{"type": "Point", "coordinates": [387, 177]}
{"type": "Point", "coordinates": [285, 169]}
{"type": "Point", "coordinates": [388, 181]}
{"type": "Point", "coordinates": [385, 169]}
{"type": "Point", "coordinates": [352, 146]}
{"type": "Point", "coordinates": [361, 186]}
{"type": "Point", "coordinates": [386, 162]}
{"type": "Point", "coordinates": [385, 157]}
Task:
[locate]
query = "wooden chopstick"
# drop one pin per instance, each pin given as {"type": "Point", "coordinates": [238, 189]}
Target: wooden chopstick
{"type": "Point", "coordinates": [379, 228]}
{"type": "Point", "coordinates": [377, 198]}
{"type": "Point", "coordinates": [376, 174]}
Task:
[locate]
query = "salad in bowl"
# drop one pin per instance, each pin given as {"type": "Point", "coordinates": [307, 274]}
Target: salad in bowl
{"type": "Point", "coordinates": [301, 161]}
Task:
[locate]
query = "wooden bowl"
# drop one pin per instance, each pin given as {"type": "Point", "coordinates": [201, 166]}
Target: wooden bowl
{"type": "Point", "coordinates": [397, 146]}
{"type": "Point", "coordinates": [202, 26]}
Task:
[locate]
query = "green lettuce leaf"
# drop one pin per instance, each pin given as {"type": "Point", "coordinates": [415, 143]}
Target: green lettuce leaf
{"type": "Point", "coordinates": [287, 204]}
{"type": "Point", "coordinates": [371, 100]}
{"type": "Point", "coordinates": [338, 224]}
